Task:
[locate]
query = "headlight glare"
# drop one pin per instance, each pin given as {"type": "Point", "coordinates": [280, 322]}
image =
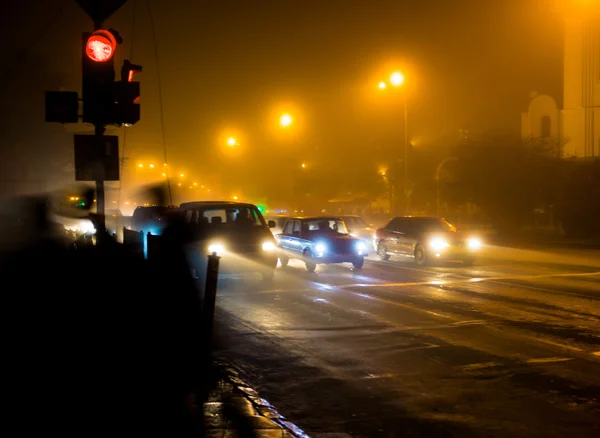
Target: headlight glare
{"type": "Point", "coordinates": [268, 246]}
{"type": "Point", "coordinates": [474, 243]}
{"type": "Point", "coordinates": [438, 244]}
{"type": "Point", "coordinates": [216, 247]}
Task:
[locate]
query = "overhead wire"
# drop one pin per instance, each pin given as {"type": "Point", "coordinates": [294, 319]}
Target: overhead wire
{"type": "Point", "coordinates": [123, 158]}
{"type": "Point", "coordinates": [160, 99]}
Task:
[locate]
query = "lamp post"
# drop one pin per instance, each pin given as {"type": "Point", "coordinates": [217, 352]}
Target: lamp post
{"type": "Point", "coordinates": [437, 181]}
{"type": "Point", "coordinates": [397, 80]}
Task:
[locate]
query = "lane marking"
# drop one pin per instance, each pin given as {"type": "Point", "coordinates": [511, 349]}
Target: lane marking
{"type": "Point", "coordinates": [556, 344]}
{"type": "Point", "coordinates": [470, 322]}
{"type": "Point", "coordinates": [395, 303]}
{"type": "Point", "coordinates": [378, 376]}
{"type": "Point", "coordinates": [498, 279]}
{"type": "Point", "coordinates": [479, 366]}
{"type": "Point", "coordinates": [550, 359]}
{"type": "Point", "coordinates": [382, 263]}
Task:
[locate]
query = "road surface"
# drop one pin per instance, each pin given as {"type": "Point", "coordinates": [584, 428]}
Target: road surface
{"type": "Point", "coordinates": [507, 347]}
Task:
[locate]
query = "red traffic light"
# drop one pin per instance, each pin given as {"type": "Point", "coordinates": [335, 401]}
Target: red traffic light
{"type": "Point", "coordinates": [100, 46]}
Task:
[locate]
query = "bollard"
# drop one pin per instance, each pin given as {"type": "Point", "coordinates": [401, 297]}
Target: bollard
{"type": "Point", "coordinates": [210, 295]}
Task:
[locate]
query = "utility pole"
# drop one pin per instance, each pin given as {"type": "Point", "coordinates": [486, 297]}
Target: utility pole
{"type": "Point", "coordinates": [406, 143]}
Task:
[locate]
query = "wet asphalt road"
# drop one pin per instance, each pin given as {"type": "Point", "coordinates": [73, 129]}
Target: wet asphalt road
{"type": "Point", "coordinates": [507, 347]}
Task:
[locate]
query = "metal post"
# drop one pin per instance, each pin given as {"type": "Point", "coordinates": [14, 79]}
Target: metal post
{"type": "Point", "coordinates": [406, 186]}
{"type": "Point", "coordinates": [210, 295]}
{"type": "Point", "coordinates": [437, 203]}
{"type": "Point", "coordinates": [437, 179]}
{"type": "Point", "coordinates": [98, 133]}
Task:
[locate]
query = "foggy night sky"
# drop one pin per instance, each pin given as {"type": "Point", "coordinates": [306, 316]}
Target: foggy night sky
{"type": "Point", "coordinates": [228, 66]}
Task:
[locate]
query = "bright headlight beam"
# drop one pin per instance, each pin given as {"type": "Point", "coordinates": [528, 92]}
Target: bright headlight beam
{"type": "Point", "coordinates": [474, 243]}
{"type": "Point", "coordinates": [216, 247]}
{"type": "Point", "coordinates": [439, 244]}
{"type": "Point", "coordinates": [268, 246]}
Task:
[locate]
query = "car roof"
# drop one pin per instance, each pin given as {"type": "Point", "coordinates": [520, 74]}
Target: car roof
{"type": "Point", "coordinates": [419, 217]}
{"type": "Point", "coordinates": [204, 204]}
{"type": "Point", "coordinates": [315, 218]}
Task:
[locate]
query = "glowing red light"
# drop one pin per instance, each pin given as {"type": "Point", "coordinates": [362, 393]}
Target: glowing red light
{"type": "Point", "coordinates": [100, 46]}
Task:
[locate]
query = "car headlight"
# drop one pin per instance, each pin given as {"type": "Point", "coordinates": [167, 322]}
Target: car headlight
{"type": "Point", "coordinates": [438, 244]}
{"type": "Point", "coordinates": [474, 243]}
{"type": "Point", "coordinates": [320, 248]}
{"type": "Point", "coordinates": [216, 248]}
{"type": "Point", "coordinates": [268, 246]}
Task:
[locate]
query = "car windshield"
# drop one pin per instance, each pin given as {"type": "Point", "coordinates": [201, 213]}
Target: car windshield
{"type": "Point", "coordinates": [236, 217]}
{"type": "Point", "coordinates": [433, 224]}
{"type": "Point", "coordinates": [324, 225]}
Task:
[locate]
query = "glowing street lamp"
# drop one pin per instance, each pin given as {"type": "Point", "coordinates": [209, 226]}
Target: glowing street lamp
{"type": "Point", "coordinates": [286, 120]}
{"type": "Point", "coordinates": [397, 79]}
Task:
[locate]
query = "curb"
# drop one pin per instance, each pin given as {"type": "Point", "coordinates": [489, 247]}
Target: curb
{"type": "Point", "coordinates": [262, 406]}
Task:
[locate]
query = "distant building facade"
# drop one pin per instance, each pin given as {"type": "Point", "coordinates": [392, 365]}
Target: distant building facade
{"type": "Point", "coordinates": [581, 112]}
{"type": "Point", "coordinates": [578, 123]}
{"type": "Point", "coordinates": [542, 118]}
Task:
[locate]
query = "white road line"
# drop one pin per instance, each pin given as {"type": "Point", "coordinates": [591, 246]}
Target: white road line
{"type": "Point", "coordinates": [479, 366]}
{"type": "Point", "coordinates": [378, 376]}
{"type": "Point", "coordinates": [397, 304]}
{"type": "Point", "coordinates": [550, 359]}
{"type": "Point", "coordinates": [470, 322]}
{"type": "Point", "coordinates": [556, 344]}
{"type": "Point", "coordinates": [497, 279]}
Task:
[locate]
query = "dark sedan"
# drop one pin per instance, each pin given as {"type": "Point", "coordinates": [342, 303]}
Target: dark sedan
{"type": "Point", "coordinates": [425, 239]}
{"type": "Point", "coordinates": [320, 240]}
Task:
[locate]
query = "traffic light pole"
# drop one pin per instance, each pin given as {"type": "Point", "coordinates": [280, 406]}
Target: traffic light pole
{"type": "Point", "coordinates": [100, 204]}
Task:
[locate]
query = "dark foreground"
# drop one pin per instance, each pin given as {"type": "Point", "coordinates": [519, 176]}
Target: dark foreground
{"type": "Point", "coordinates": [508, 347]}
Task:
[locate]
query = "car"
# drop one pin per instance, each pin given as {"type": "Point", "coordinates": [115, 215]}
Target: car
{"type": "Point", "coordinates": [425, 239]}
{"type": "Point", "coordinates": [358, 227]}
{"type": "Point", "coordinates": [235, 231]}
{"type": "Point", "coordinates": [318, 240]}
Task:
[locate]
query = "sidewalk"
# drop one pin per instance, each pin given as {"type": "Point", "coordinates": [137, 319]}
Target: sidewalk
{"type": "Point", "coordinates": [236, 410]}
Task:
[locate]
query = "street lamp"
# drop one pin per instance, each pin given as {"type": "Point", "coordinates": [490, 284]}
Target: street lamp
{"type": "Point", "coordinates": [437, 180]}
{"type": "Point", "coordinates": [397, 80]}
{"type": "Point", "coordinates": [286, 120]}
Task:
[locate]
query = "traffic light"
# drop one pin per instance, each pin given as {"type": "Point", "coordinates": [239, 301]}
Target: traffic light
{"type": "Point", "coordinates": [126, 96]}
{"type": "Point", "coordinates": [98, 67]}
